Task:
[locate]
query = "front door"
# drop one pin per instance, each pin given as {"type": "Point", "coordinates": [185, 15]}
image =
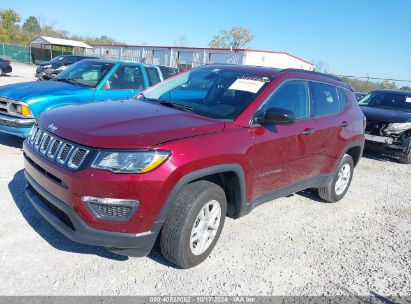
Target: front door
{"type": "Point", "coordinates": [284, 154]}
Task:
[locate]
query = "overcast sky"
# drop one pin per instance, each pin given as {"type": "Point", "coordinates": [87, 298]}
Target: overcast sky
{"type": "Point", "coordinates": [353, 37]}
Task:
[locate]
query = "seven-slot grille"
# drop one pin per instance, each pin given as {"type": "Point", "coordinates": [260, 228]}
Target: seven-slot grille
{"type": "Point", "coordinates": [56, 149]}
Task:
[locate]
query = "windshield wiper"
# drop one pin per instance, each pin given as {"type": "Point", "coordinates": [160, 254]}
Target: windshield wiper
{"type": "Point", "coordinates": [170, 104]}
{"type": "Point", "coordinates": [66, 80]}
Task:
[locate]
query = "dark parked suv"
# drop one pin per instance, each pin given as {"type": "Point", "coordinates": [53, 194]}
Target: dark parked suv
{"type": "Point", "coordinates": [172, 163]}
{"type": "Point", "coordinates": [49, 69]}
{"type": "Point", "coordinates": [5, 67]}
{"type": "Point", "coordinates": [388, 129]}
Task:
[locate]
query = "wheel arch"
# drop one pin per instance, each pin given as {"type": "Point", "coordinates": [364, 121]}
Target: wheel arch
{"type": "Point", "coordinates": [235, 184]}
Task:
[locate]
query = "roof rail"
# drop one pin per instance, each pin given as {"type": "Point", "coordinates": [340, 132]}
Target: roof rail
{"type": "Point", "coordinates": [312, 73]}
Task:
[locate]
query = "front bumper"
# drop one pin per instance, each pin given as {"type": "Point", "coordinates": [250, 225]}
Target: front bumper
{"type": "Point", "coordinates": [386, 145]}
{"type": "Point", "coordinates": [16, 126]}
{"type": "Point", "coordinates": [62, 217]}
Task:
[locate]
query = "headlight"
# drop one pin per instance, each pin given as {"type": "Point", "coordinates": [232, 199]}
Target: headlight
{"type": "Point", "coordinates": [130, 162]}
{"type": "Point", "coordinates": [21, 109]}
{"type": "Point", "coordinates": [47, 66]}
{"type": "Point", "coordinates": [398, 127]}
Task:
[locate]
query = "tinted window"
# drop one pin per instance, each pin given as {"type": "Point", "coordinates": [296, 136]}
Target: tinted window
{"type": "Point", "coordinates": [167, 71]}
{"type": "Point", "coordinates": [126, 77]}
{"type": "Point", "coordinates": [69, 60]}
{"type": "Point", "coordinates": [291, 96]}
{"type": "Point", "coordinates": [325, 99]}
{"type": "Point", "coordinates": [343, 98]}
{"type": "Point", "coordinates": [153, 76]}
{"type": "Point", "coordinates": [212, 92]}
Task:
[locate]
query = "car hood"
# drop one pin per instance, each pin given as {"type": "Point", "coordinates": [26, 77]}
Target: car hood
{"type": "Point", "coordinates": [36, 90]}
{"type": "Point", "coordinates": [385, 115]}
{"type": "Point", "coordinates": [125, 124]}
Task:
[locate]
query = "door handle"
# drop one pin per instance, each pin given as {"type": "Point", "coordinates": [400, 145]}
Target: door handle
{"type": "Point", "coordinates": [344, 124]}
{"type": "Point", "coordinates": [308, 132]}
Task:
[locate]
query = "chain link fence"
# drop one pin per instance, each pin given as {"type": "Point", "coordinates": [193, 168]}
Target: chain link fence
{"type": "Point", "coordinates": [33, 53]}
{"type": "Point", "coordinates": [17, 53]}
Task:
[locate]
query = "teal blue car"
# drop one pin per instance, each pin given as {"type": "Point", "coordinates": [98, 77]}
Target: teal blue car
{"type": "Point", "coordinates": [85, 81]}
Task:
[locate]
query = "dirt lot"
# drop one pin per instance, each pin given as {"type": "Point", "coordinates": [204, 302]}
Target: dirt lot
{"type": "Point", "coordinates": [292, 246]}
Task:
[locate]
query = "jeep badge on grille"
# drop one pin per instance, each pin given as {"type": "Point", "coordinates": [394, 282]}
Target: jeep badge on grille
{"type": "Point", "coordinates": [52, 127]}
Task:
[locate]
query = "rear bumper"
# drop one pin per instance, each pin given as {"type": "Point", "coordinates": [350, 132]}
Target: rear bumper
{"type": "Point", "coordinates": [62, 217]}
{"type": "Point", "coordinates": [7, 69]}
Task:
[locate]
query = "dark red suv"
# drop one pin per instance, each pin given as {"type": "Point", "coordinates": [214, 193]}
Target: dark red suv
{"type": "Point", "coordinates": [173, 162]}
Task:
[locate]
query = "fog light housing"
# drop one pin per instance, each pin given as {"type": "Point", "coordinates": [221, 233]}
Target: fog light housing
{"type": "Point", "coordinates": [111, 209]}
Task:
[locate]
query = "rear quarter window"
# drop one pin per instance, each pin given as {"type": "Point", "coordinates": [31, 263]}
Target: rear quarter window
{"type": "Point", "coordinates": [325, 99]}
{"type": "Point", "coordinates": [153, 75]}
{"type": "Point", "coordinates": [343, 98]}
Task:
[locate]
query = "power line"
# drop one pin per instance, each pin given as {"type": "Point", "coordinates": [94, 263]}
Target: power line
{"type": "Point", "coordinates": [374, 78]}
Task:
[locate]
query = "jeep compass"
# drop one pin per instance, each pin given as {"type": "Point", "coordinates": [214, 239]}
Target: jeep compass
{"type": "Point", "coordinates": [172, 163]}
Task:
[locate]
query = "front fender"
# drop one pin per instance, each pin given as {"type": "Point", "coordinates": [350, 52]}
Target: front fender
{"type": "Point", "coordinates": [41, 104]}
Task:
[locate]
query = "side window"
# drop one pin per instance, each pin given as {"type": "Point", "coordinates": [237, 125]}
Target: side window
{"type": "Point", "coordinates": [325, 99]}
{"type": "Point", "coordinates": [69, 60]}
{"type": "Point", "coordinates": [343, 98]}
{"type": "Point", "coordinates": [291, 96]}
{"type": "Point", "coordinates": [153, 76]}
{"type": "Point", "coordinates": [126, 77]}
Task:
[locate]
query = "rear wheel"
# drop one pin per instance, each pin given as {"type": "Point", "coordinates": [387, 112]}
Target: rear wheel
{"type": "Point", "coordinates": [194, 224]}
{"type": "Point", "coordinates": [340, 182]}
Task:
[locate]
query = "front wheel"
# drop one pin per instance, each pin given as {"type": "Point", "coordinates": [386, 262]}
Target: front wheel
{"type": "Point", "coordinates": [340, 182]}
{"type": "Point", "coordinates": [194, 224]}
{"type": "Point", "coordinates": [406, 159]}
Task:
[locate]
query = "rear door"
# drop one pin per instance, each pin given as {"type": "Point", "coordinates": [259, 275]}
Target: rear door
{"type": "Point", "coordinates": [329, 105]}
{"type": "Point", "coordinates": [283, 153]}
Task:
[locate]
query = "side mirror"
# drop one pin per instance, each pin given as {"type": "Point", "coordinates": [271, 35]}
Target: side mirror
{"type": "Point", "coordinates": [276, 116]}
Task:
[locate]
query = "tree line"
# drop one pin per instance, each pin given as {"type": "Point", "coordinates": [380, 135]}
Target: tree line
{"type": "Point", "coordinates": [237, 37]}
{"type": "Point", "coordinates": [12, 32]}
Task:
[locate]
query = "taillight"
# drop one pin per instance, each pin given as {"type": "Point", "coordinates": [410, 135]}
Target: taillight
{"type": "Point", "coordinates": [7, 62]}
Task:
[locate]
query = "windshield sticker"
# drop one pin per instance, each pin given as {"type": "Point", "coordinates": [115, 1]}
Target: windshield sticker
{"type": "Point", "coordinates": [247, 85]}
{"type": "Point", "coordinates": [408, 99]}
{"type": "Point", "coordinates": [262, 79]}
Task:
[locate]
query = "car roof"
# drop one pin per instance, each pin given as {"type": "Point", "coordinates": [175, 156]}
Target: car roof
{"type": "Point", "coordinates": [118, 61]}
{"type": "Point", "coordinates": [399, 92]}
{"type": "Point", "coordinates": [268, 71]}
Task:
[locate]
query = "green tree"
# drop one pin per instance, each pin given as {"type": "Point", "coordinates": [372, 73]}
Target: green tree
{"type": "Point", "coordinates": [237, 37]}
{"type": "Point", "coordinates": [405, 88]}
{"type": "Point", "coordinates": [31, 25]}
{"type": "Point", "coordinates": [9, 19]}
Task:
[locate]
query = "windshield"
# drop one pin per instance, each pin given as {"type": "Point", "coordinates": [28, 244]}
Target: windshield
{"type": "Point", "coordinates": [387, 100]}
{"type": "Point", "coordinates": [86, 73]}
{"type": "Point", "coordinates": [211, 92]}
{"type": "Point", "coordinates": [57, 59]}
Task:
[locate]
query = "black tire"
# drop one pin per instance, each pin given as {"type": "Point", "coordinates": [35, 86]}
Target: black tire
{"type": "Point", "coordinates": [1, 72]}
{"type": "Point", "coordinates": [176, 232]}
{"type": "Point", "coordinates": [406, 159]}
{"type": "Point", "coordinates": [328, 192]}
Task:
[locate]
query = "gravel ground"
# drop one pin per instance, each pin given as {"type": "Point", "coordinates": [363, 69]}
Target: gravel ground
{"type": "Point", "coordinates": [292, 246]}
